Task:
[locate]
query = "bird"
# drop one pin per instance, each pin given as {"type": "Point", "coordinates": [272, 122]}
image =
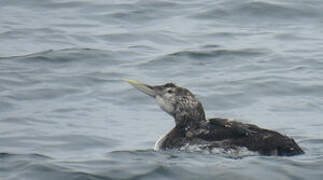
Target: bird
{"type": "Point", "coordinates": [192, 129]}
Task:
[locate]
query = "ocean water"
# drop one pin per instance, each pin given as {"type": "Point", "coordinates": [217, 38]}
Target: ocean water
{"type": "Point", "coordinates": [66, 113]}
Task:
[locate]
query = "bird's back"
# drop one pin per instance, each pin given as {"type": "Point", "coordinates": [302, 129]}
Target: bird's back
{"type": "Point", "coordinates": [228, 135]}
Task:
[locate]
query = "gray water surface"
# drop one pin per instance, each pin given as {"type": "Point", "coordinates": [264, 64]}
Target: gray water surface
{"type": "Point", "coordinates": [65, 112]}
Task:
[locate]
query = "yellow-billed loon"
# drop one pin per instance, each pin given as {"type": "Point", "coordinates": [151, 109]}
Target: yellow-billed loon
{"type": "Point", "coordinates": [192, 128]}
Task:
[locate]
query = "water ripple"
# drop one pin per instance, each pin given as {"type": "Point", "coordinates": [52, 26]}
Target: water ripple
{"type": "Point", "coordinates": [66, 113]}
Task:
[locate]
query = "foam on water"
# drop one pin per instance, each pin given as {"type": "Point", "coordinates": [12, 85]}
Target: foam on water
{"type": "Point", "coordinates": [231, 153]}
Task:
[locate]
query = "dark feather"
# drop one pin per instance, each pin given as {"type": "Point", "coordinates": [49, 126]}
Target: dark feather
{"type": "Point", "coordinates": [227, 134]}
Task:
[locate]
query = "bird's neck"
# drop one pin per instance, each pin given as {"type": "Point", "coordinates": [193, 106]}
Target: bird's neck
{"type": "Point", "coordinates": [189, 121]}
{"type": "Point", "coordinates": [189, 117]}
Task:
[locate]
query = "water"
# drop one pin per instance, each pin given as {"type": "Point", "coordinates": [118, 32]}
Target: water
{"type": "Point", "coordinates": [67, 114]}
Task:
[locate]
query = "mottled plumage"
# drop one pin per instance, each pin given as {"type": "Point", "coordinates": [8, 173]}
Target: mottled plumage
{"type": "Point", "coordinates": [193, 129]}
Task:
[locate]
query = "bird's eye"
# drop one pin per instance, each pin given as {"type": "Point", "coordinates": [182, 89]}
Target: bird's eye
{"type": "Point", "coordinates": [170, 91]}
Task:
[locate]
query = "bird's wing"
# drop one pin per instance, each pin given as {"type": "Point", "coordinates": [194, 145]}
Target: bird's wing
{"type": "Point", "coordinates": [221, 129]}
{"type": "Point", "coordinates": [234, 133]}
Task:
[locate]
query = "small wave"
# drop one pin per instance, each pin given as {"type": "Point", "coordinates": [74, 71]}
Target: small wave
{"type": "Point", "coordinates": [312, 141]}
{"type": "Point", "coordinates": [134, 13]}
{"type": "Point", "coordinates": [43, 94]}
{"type": "Point", "coordinates": [259, 11]}
{"type": "Point", "coordinates": [70, 55]}
{"type": "Point", "coordinates": [33, 156]}
{"type": "Point", "coordinates": [52, 171]}
{"type": "Point", "coordinates": [275, 10]}
{"type": "Point", "coordinates": [201, 56]}
{"type": "Point", "coordinates": [220, 52]}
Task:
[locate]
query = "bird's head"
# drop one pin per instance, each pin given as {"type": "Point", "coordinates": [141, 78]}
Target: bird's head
{"type": "Point", "coordinates": [177, 101]}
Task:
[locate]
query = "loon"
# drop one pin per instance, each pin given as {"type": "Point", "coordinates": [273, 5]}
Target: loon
{"type": "Point", "coordinates": [192, 128]}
